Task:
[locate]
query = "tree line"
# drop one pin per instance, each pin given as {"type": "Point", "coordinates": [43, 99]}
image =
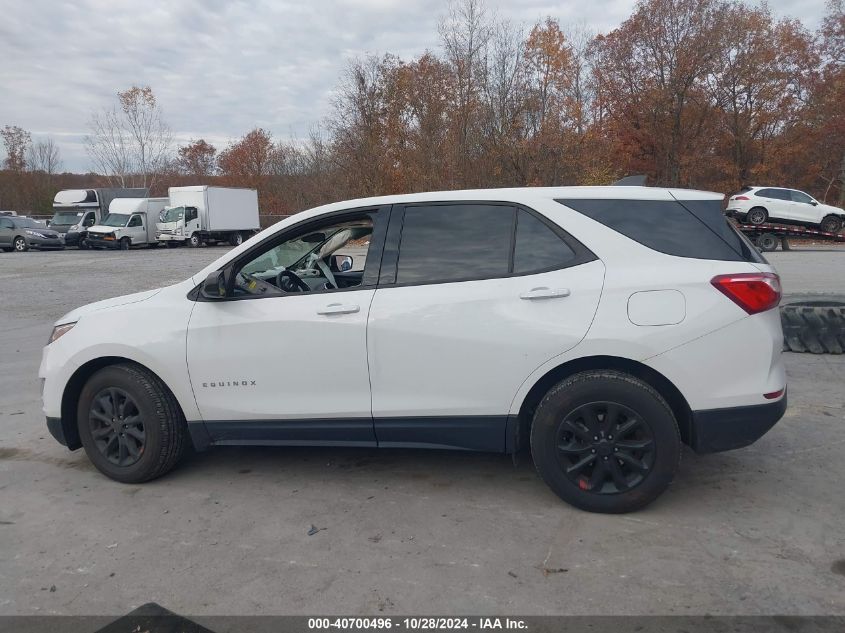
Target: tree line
{"type": "Point", "coordinates": [710, 94]}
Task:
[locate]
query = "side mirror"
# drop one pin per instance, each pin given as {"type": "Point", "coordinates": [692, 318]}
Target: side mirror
{"type": "Point", "coordinates": [214, 286]}
{"type": "Point", "coordinates": [814, 203]}
{"type": "Point", "coordinates": [343, 263]}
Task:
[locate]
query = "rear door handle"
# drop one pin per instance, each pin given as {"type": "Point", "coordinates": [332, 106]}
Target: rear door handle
{"type": "Point", "coordinates": [339, 308]}
{"type": "Point", "coordinates": [544, 293]}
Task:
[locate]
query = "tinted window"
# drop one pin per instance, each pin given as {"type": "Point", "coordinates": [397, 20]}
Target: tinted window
{"type": "Point", "coordinates": [6, 224]}
{"type": "Point", "coordinates": [453, 242]}
{"type": "Point", "coordinates": [665, 226]}
{"type": "Point", "coordinates": [775, 194]}
{"type": "Point", "coordinates": [798, 196]}
{"type": "Point", "coordinates": [538, 247]}
{"type": "Point", "coordinates": [135, 221]}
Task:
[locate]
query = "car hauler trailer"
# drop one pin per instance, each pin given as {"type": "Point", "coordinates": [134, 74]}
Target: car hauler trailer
{"type": "Point", "coordinates": [767, 236]}
{"type": "Point", "coordinates": [75, 210]}
{"type": "Point", "coordinates": [202, 214]}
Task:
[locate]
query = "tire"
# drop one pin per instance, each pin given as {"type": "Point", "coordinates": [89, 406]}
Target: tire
{"type": "Point", "coordinates": [654, 431]}
{"type": "Point", "coordinates": [162, 424]}
{"type": "Point", "coordinates": [831, 224]}
{"type": "Point", "coordinates": [757, 215]}
{"type": "Point", "coordinates": [19, 244]}
{"type": "Point", "coordinates": [768, 242]}
{"type": "Point", "coordinates": [817, 327]}
{"type": "Point", "coordinates": [236, 239]}
{"type": "Point", "coordinates": [194, 241]}
{"type": "Point", "coordinates": [125, 243]}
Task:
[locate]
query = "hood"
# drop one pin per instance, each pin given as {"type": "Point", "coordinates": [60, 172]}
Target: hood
{"type": "Point", "coordinates": [44, 232]}
{"type": "Point", "coordinates": [99, 228]}
{"type": "Point", "coordinates": [827, 208]}
{"type": "Point", "coordinates": [75, 315]}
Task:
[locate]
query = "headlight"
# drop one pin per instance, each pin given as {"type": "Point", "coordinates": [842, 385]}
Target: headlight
{"type": "Point", "coordinates": [59, 331]}
{"type": "Point", "coordinates": [75, 227]}
{"type": "Point", "coordinates": [28, 232]}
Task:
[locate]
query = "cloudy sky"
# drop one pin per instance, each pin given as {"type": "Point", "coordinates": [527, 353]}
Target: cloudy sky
{"type": "Point", "coordinates": [222, 68]}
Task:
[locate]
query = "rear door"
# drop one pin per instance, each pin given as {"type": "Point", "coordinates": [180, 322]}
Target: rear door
{"type": "Point", "coordinates": [778, 203]}
{"type": "Point", "coordinates": [472, 298]}
{"type": "Point", "coordinates": [6, 226]}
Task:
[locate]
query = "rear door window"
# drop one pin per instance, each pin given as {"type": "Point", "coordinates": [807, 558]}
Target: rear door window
{"type": "Point", "coordinates": [453, 242]}
{"type": "Point", "coordinates": [774, 194]}
{"type": "Point", "coordinates": [695, 229]}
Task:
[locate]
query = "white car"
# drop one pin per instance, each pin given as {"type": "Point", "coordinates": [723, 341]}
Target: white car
{"type": "Point", "coordinates": [602, 326]}
{"type": "Point", "coordinates": [758, 205]}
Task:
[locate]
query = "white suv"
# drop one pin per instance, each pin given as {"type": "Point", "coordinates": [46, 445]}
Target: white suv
{"type": "Point", "coordinates": [758, 205]}
{"type": "Point", "coordinates": [602, 326]}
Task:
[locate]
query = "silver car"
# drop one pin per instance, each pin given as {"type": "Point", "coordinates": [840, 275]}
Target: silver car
{"type": "Point", "coordinates": [20, 234]}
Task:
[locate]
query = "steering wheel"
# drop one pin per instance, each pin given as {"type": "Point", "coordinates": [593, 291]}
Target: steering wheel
{"type": "Point", "coordinates": [289, 281]}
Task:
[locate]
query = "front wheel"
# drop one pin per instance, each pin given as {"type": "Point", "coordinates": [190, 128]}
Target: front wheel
{"type": "Point", "coordinates": [130, 424]}
{"type": "Point", "coordinates": [20, 245]}
{"type": "Point", "coordinates": [125, 243]}
{"type": "Point", "coordinates": [194, 241]}
{"type": "Point", "coordinates": [831, 224]}
{"type": "Point", "coordinates": [605, 441]}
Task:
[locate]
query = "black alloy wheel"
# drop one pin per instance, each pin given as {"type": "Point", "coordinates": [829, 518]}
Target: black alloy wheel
{"type": "Point", "coordinates": [117, 426]}
{"type": "Point", "coordinates": [605, 447]}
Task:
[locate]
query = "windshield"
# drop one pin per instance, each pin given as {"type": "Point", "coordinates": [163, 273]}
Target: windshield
{"type": "Point", "coordinates": [115, 219]}
{"type": "Point", "coordinates": [173, 214]}
{"type": "Point", "coordinates": [67, 217]}
{"type": "Point", "coordinates": [28, 223]}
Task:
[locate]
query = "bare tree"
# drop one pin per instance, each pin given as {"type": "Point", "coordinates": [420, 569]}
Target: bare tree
{"type": "Point", "coordinates": [44, 156]}
{"type": "Point", "coordinates": [130, 142]}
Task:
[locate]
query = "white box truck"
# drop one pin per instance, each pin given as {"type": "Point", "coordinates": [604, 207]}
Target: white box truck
{"type": "Point", "coordinates": [202, 214]}
{"type": "Point", "coordinates": [130, 222]}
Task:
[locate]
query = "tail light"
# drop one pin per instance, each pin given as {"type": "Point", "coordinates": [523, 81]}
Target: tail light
{"type": "Point", "coordinates": [753, 292]}
{"type": "Point", "coordinates": [741, 198]}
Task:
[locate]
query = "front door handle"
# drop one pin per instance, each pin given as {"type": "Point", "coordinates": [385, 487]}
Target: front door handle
{"type": "Point", "coordinates": [339, 308]}
{"type": "Point", "coordinates": [544, 293]}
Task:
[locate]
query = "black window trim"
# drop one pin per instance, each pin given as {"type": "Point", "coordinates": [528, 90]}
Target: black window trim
{"type": "Point", "coordinates": [381, 216]}
{"type": "Point", "coordinates": [393, 244]}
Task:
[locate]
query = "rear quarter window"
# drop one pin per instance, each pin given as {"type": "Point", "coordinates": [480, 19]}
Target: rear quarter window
{"type": "Point", "coordinates": [696, 229]}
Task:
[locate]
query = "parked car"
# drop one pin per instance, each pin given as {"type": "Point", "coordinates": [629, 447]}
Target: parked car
{"type": "Point", "coordinates": [19, 234]}
{"type": "Point", "coordinates": [758, 205]}
{"type": "Point", "coordinates": [599, 325]}
{"type": "Point", "coordinates": [130, 222]}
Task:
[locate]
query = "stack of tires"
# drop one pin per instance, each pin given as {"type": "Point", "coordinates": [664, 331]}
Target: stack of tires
{"type": "Point", "coordinates": [814, 323]}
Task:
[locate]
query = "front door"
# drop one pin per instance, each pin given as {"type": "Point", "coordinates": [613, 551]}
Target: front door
{"type": "Point", "coordinates": [283, 359]}
{"type": "Point", "coordinates": [136, 229]}
{"type": "Point", "coordinates": [478, 297]}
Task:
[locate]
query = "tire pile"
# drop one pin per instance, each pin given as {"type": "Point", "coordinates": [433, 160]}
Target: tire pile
{"type": "Point", "coordinates": [814, 324]}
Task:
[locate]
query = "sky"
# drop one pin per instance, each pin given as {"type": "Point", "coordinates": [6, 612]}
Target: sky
{"type": "Point", "coordinates": [221, 68]}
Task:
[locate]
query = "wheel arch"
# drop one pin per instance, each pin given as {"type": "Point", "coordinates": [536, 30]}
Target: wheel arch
{"type": "Point", "coordinates": [74, 385]}
{"type": "Point", "coordinates": [674, 398]}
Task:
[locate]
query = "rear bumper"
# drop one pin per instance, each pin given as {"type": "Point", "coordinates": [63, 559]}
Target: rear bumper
{"type": "Point", "coordinates": [717, 430]}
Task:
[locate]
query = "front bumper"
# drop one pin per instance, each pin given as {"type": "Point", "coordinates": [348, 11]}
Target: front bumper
{"type": "Point", "coordinates": [45, 242]}
{"type": "Point", "coordinates": [96, 241]}
{"type": "Point", "coordinates": [73, 238]}
{"type": "Point", "coordinates": [717, 430]}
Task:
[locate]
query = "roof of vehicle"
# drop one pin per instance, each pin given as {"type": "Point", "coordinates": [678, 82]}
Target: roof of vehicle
{"type": "Point", "coordinates": [527, 194]}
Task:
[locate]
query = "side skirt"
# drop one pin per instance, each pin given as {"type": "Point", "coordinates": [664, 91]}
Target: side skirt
{"type": "Point", "coordinates": [474, 433]}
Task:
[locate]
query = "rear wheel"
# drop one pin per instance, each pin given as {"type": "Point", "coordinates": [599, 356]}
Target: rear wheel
{"type": "Point", "coordinates": [20, 245]}
{"type": "Point", "coordinates": [757, 215]}
{"type": "Point", "coordinates": [831, 224]}
{"type": "Point", "coordinates": [767, 242]}
{"type": "Point", "coordinates": [605, 441]}
{"type": "Point", "coordinates": [236, 239]}
{"type": "Point", "coordinates": [130, 424]}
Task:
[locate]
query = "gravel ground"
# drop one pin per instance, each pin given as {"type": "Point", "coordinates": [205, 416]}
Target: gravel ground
{"type": "Point", "coordinates": [754, 531]}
